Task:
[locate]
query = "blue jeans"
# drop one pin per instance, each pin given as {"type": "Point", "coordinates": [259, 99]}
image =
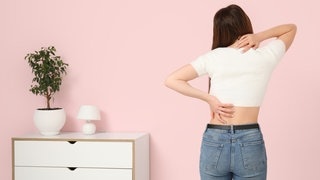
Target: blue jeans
{"type": "Point", "coordinates": [233, 154]}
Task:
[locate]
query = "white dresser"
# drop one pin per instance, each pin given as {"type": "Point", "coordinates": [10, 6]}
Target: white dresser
{"type": "Point", "coordinates": [74, 156]}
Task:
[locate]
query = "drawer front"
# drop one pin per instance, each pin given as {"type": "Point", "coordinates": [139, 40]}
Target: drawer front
{"type": "Point", "coordinates": [78, 154]}
{"type": "Point", "coordinates": [39, 173]}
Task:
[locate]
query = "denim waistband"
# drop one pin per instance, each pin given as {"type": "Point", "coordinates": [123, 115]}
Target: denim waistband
{"type": "Point", "coordinates": [233, 128]}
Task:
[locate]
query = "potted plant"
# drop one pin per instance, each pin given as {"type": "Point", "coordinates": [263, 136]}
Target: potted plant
{"type": "Point", "coordinates": [48, 69]}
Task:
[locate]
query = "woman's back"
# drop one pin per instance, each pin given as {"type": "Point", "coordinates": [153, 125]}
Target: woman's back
{"type": "Point", "coordinates": [240, 78]}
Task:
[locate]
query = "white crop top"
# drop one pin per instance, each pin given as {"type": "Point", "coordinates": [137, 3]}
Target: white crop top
{"type": "Point", "coordinates": [240, 78]}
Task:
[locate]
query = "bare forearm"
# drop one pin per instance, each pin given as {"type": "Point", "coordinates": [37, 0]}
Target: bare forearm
{"type": "Point", "coordinates": [285, 32]}
{"type": "Point", "coordinates": [178, 81]}
{"type": "Point", "coordinates": [276, 31]}
{"type": "Point", "coordinates": [186, 89]}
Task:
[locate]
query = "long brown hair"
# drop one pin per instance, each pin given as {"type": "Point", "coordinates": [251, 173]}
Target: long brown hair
{"type": "Point", "coordinates": [229, 24]}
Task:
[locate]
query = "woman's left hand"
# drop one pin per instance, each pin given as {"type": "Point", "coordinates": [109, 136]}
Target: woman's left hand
{"type": "Point", "coordinates": [221, 110]}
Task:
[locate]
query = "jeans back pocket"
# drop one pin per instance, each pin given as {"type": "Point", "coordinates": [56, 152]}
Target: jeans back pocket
{"type": "Point", "coordinates": [254, 155]}
{"type": "Point", "coordinates": [210, 155]}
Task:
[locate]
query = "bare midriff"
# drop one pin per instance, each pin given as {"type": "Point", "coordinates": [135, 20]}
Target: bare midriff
{"type": "Point", "coordinates": [242, 115]}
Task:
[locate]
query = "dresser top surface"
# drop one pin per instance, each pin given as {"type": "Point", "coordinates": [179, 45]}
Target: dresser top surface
{"type": "Point", "coordinates": [124, 136]}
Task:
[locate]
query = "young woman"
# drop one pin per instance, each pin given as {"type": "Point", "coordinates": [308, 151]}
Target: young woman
{"type": "Point", "coordinates": [239, 70]}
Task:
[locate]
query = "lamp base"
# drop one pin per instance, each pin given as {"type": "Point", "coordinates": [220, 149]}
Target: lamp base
{"type": "Point", "coordinates": [89, 128]}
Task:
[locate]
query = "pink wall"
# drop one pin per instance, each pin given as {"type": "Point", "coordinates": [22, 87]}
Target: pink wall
{"type": "Point", "coordinates": [119, 54]}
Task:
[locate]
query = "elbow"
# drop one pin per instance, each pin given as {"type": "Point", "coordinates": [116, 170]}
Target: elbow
{"type": "Point", "coordinates": [293, 27]}
{"type": "Point", "coordinates": [171, 82]}
{"type": "Point", "coordinates": [168, 82]}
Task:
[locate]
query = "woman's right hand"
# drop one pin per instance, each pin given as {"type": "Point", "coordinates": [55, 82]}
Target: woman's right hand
{"type": "Point", "coordinates": [220, 110]}
{"type": "Point", "coordinates": [248, 41]}
{"type": "Point", "coordinates": [285, 32]}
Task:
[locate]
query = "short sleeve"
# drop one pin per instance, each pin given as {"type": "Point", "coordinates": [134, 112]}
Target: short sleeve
{"type": "Point", "coordinates": [274, 49]}
{"type": "Point", "coordinates": [199, 65]}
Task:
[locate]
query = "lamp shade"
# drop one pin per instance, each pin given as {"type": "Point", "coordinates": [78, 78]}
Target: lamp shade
{"type": "Point", "coordinates": [88, 112]}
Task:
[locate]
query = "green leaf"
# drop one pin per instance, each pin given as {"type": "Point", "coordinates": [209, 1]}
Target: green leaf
{"type": "Point", "coordinates": [48, 69]}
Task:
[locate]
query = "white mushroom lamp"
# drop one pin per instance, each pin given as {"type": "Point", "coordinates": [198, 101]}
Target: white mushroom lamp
{"type": "Point", "coordinates": [89, 113]}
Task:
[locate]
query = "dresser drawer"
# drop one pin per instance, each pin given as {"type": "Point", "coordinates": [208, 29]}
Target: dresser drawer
{"type": "Point", "coordinates": [74, 154]}
{"type": "Point", "coordinates": [43, 173]}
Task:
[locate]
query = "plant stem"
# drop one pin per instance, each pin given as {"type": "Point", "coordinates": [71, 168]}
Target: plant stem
{"type": "Point", "coordinates": [48, 101]}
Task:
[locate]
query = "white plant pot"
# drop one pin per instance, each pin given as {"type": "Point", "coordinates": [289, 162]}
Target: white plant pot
{"type": "Point", "coordinates": [49, 122]}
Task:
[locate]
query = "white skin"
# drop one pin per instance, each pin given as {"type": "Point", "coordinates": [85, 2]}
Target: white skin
{"type": "Point", "coordinates": [226, 113]}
